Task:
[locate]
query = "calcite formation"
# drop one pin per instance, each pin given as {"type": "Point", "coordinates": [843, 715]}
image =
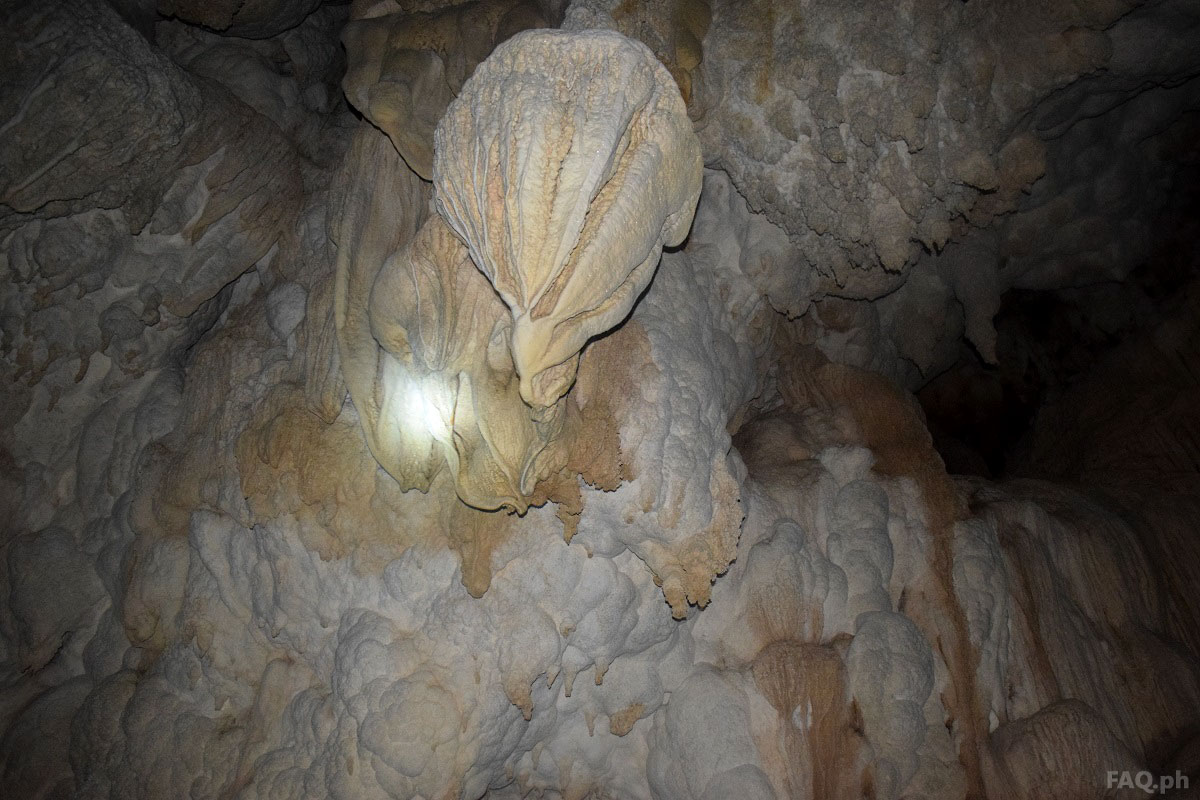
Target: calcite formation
{"type": "Point", "coordinates": [406, 65]}
{"type": "Point", "coordinates": [566, 166]}
{"type": "Point", "coordinates": [380, 422]}
{"type": "Point", "coordinates": [253, 19]}
{"type": "Point", "coordinates": [560, 172]}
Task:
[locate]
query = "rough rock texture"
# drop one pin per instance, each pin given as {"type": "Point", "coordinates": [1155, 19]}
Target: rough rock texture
{"type": "Point", "coordinates": [865, 140]}
{"type": "Point", "coordinates": [742, 569]}
{"type": "Point", "coordinates": [933, 162]}
{"type": "Point", "coordinates": [256, 19]}
{"type": "Point", "coordinates": [567, 228]}
{"type": "Point", "coordinates": [566, 165]}
{"type": "Point", "coordinates": [407, 64]}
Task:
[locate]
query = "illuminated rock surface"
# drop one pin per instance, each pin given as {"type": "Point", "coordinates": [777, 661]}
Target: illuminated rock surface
{"type": "Point", "coordinates": [263, 383]}
{"type": "Point", "coordinates": [565, 165]}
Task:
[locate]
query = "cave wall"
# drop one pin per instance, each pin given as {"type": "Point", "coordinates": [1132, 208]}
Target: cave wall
{"type": "Point", "coordinates": [752, 574]}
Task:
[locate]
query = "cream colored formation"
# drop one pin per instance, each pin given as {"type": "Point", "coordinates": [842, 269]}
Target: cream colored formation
{"type": "Point", "coordinates": [404, 69]}
{"type": "Point", "coordinates": [560, 172]}
{"type": "Point", "coordinates": [479, 442]}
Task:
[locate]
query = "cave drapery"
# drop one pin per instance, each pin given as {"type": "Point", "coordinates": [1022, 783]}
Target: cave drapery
{"type": "Point", "coordinates": [600, 398]}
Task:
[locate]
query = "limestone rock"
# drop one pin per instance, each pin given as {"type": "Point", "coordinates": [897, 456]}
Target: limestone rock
{"type": "Point", "coordinates": [256, 19]}
{"type": "Point", "coordinates": [238, 330]}
{"type": "Point", "coordinates": [405, 66]}
{"type": "Point", "coordinates": [566, 165]}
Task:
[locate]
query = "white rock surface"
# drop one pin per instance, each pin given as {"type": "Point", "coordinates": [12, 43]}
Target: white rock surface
{"type": "Point", "coordinates": [752, 575]}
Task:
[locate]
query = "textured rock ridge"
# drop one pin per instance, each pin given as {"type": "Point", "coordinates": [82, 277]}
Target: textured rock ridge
{"type": "Point", "coordinates": [406, 65]}
{"type": "Point", "coordinates": [566, 165]}
{"type": "Point", "coordinates": [568, 229]}
{"type": "Point", "coordinates": [535, 420]}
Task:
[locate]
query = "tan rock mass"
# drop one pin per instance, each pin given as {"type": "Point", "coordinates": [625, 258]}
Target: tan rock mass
{"type": "Point", "coordinates": [448, 377]}
{"type": "Point", "coordinates": [648, 399]}
{"type": "Point", "coordinates": [566, 165]}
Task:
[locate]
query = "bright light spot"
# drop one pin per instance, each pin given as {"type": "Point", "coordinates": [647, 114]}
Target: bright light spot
{"type": "Point", "coordinates": [416, 406]}
{"type": "Point", "coordinates": [422, 410]}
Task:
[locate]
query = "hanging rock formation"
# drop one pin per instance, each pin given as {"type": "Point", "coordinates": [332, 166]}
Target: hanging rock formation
{"type": "Point", "coordinates": [565, 166]}
{"type": "Point", "coordinates": [562, 169]}
{"type": "Point", "coordinates": [400, 402]}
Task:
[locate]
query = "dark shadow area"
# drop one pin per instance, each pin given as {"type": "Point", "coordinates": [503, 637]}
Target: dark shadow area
{"type": "Point", "coordinates": [1050, 341]}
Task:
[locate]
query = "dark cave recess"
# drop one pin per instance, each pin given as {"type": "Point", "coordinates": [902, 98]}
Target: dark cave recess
{"type": "Point", "coordinates": [980, 415]}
